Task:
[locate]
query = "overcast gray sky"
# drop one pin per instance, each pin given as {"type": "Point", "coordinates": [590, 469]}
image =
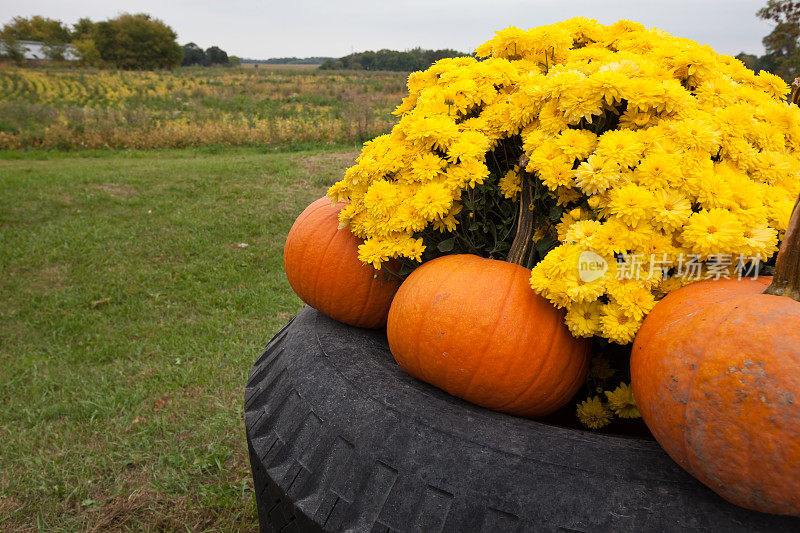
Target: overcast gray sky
{"type": "Point", "coordinates": [263, 29]}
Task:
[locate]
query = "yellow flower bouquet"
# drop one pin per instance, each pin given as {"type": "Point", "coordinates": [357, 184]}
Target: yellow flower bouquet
{"type": "Point", "coordinates": [641, 146]}
{"type": "Point", "coordinates": [648, 158]}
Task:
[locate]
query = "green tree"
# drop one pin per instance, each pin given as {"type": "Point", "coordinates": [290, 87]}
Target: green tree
{"type": "Point", "coordinates": [193, 55]}
{"type": "Point", "coordinates": [216, 56]}
{"type": "Point", "coordinates": [12, 49]}
{"type": "Point", "coordinates": [55, 51]}
{"type": "Point", "coordinates": [137, 42]}
{"type": "Point", "coordinates": [410, 60]}
{"type": "Point", "coordinates": [87, 52]}
{"type": "Point", "coordinates": [783, 43]}
{"type": "Point", "coordinates": [83, 29]}
{"type": "Point", "coordinates": [83, 42]}
{"type": "Point", "coordinates": [53, 33]}
{"type": "Point", "coordinates": [36, 28]}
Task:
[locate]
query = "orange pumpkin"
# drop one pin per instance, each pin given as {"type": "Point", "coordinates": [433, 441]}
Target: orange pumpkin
{"type": "Point", "coordinates": [474, 328]}
{"type": "Point", "coordinates": [322, 266]}
{"type": "Point", "coordinates": [715, 370]}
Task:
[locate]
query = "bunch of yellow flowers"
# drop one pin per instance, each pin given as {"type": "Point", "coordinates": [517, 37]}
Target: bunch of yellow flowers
{"type": "Point", "coordinates": [659, 153]}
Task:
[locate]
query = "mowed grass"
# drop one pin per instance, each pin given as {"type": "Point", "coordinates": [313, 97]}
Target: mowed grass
{"type": "Point", "coordinates": [130, 315]}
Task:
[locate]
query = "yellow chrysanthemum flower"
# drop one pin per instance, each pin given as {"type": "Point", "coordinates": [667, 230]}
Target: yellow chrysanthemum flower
{"type": "Point", "coordinates": [432, 200]}
{"type": "Point", "coordinates": [427, 167]}
{"type": "Point", "coordinates": [510, 184]}
{"type": "Point", "coordinates": [617, 326]}
{"type": "Point", "coordinates": [713, 232]}
{"type": "Point", "coordinates": [576, 144]}
{"type": "Point", "coordinates": [583, 319]}
{"type": "Point", "coordinates": [583, 233]}
{"type": "Point", "coordinates": [622, 402]}
{"type": "Point", "coordinates": [597, 174]}
{"type": "Point", "coordinates": [624, 147]}
{"type": "Point", "coordinates": [760, 241]}
{"type": "Point", "coordinates": [659, 170]}
{"type": "Point", "coordinates": [632, 203]}
{"type": "Point", "coordinates": [671, 209]}
{"type": "Point", "coordinates": [381, 197]}
{"type": "Point", "coordinates": [373, 252]}
{"type": "Point", "coordinates": [593, 414]}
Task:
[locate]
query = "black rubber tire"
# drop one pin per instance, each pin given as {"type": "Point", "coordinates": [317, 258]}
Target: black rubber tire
{"type": "Point", "coordinates": [341, 439]}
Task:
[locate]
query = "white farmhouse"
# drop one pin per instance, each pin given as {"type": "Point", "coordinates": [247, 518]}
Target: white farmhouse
{"type": "Point", "coordinates": [36, 50]}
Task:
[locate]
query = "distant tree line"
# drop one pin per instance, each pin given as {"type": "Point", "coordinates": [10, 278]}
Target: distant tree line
{"type": "Point", "coordinates": [127, 41]}
{"type": "Point", "coordinates": [214, 55]}
{"type": "Point", "coordinates": [766, 62]}
{"type": "Point", "coordinates": [408, 61]}
{"type": "Point", "coordinates": [782, 45]}
{"type": "Point", "coordinates": [288, 61]}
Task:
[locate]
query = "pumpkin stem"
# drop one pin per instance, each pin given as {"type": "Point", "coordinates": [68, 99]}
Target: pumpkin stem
{"type": "Point", "coordinates": [521, 248]}
{"type": "Point", "coordinates": [786, 280]}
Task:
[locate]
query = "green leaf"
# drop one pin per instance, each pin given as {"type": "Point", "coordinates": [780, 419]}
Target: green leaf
{"type": "Point", "coordinates": [447, 245]}
{"type": "Point", "coordinates": [543, 246]}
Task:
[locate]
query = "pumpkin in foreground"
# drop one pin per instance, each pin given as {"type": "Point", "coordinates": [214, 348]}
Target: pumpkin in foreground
{"type": "Point", "coordinates": [472, 327]}
{"type": "Point", "coordinates": [715, 370]}
{"type": "Point", "coordinates": [322, 266]}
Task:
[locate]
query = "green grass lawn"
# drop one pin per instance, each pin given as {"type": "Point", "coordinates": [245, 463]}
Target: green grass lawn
{"type": "Point", "coordinates": [130, 316]}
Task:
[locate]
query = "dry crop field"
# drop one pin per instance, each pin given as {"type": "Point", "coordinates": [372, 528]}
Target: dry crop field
{"type": "Point", "coordinates": [78, 108]}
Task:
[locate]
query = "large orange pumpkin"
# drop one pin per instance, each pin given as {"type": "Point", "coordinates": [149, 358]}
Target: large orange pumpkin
{"type": "Point", "coordinates": [715, 370]}
{"type": "Point", "coordinates": [474, 328]}
{"type": "Point", "coordinates": [322, 266]}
